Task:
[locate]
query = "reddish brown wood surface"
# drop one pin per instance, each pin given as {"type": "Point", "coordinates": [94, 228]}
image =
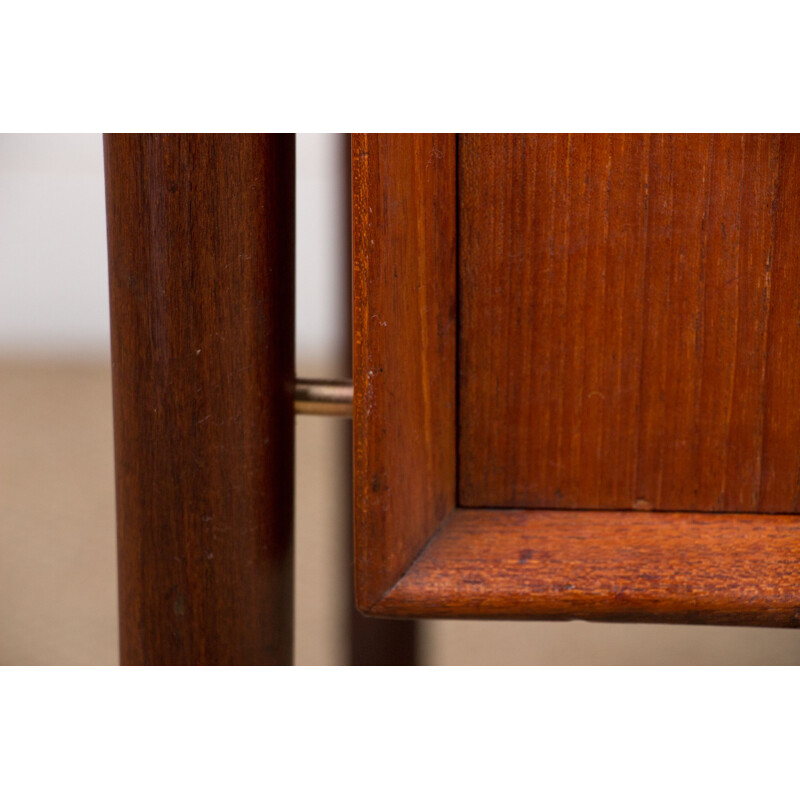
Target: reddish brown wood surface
{"type": "Point", "coordinates": [629, 330]}
{"type": "Point", "coordinates": [404, 318]}
{"type": "Point", "coordinates": [698, 411]}
{"type": "Point", "coordinates": [201, 247]}
{"type": "Point", "coordinates": [741, 569]}
{"type": "Point", "coordinates": [372, 641]}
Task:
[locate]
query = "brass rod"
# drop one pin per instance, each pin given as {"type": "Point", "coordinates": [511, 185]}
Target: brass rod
{"type": "Point", "coordinates": [332, 398]}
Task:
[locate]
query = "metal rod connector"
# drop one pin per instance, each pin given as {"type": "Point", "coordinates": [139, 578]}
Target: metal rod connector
{"type": "Point", "coordinates": [332, 398]}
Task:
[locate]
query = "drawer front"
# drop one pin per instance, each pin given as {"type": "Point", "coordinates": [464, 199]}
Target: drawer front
{"type": "Point", "coordinates": [576, 376]}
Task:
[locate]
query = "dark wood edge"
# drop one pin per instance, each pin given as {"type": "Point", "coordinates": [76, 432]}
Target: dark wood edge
{"type": "Point", "coordinates": [724, 569]}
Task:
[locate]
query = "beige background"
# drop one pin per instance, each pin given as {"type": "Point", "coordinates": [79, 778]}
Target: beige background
{"type": "Point", "coordinates": [57, 579]}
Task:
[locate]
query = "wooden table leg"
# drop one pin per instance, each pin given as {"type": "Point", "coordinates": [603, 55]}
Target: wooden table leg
{"type": "Point", "coordinates": [201, 252]}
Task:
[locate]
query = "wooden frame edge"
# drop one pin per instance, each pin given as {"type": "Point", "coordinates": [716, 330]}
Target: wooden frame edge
{"type": "Point", "coordinates": [666, 567]}
{"type": "Point", "coordinates": [404, 246]}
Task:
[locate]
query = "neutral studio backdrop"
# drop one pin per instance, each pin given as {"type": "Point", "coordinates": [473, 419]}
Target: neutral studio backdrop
{"type": "Point", "coordinates": [57, 549]}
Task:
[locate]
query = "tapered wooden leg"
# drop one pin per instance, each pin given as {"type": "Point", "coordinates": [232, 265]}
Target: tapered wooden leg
{"type": "Point", "coordinates": [201, 249]}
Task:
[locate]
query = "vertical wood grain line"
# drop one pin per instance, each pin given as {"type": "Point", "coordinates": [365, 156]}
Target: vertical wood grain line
{"type": "Point", "coordinates": [781, 464]}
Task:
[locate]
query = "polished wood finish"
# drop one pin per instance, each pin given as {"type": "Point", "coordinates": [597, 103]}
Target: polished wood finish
{"type": "Point", "coordinates": [719, 568]}
{"type": "Point", "coordinates": [404, 288]}
{"type": "Point", "coordinates": [372, 641]}
{"type": "Point", "coordinates": [628, 322]}
{"type": "Point", "coordinates": [201, 241]}
{"type": "Point", "coordinates": [626, 566]}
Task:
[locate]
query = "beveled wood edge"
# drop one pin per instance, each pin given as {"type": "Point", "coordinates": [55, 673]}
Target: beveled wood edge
{"type": "Point", "coordinates": [373, 500]}
{"type": "Point", "coordinates": [665, 567]}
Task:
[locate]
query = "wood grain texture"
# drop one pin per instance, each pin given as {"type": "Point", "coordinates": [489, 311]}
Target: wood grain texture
{"type": "Point", "coordinates": [201, 248]}
{"type": "Point", "coordinates": [621, 344]}
{"type": "Point", "coordinates": [404, 318]}
{"type": "Point", "coordinates": [372, 641]}
{"type": "Point", "coordinates": [665, 567]}
{"type": "Point", "coordinates": [629, 330]}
